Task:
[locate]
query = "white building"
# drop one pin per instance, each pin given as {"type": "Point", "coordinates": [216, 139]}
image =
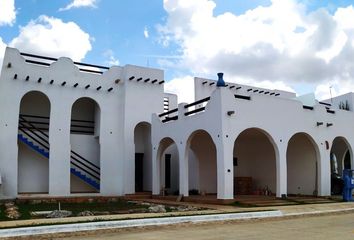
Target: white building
{"type": "Point", "coordinates": [72, 129]}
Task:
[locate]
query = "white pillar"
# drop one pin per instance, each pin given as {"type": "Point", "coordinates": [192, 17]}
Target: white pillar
{"type": "Point", "coordinates": [129, 162]}
{"type": "Point", "coordinates": [225, 172]}
{"type": "Point", "coordinates": [156, 155]}
{"type": "Point", "coordinates": [59, 153]}
{"type": "Point", "coordinates": [183, 169]}
{"type": "Point", "coordinates": [9, 152]}
{"type": "Point", "coordinates": [324, 171]}
{"type": "Point", "coordinates": [111, 155]}
{"type": "Point", "coordinates": [281, 169]}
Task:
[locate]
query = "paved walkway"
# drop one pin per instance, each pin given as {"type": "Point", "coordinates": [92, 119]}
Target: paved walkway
{"type": "Point", "coordinates": [318, 227]}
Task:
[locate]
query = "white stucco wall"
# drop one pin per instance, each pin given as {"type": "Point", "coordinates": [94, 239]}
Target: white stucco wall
{"type": "Point", "coordinates": [33, 171]}
{"type": "Point", "coordinates": [172, 150]}
{"type": "Point", "coordinates": [136, 93]}
{"type": "Point", "coordinates": [280, 117]}
{"type": "Point", "coordinates": [256, 159]}
{"type": "Point", "coordinates": [205, 155]}
{"type": "Point", "coordinates": [193, 175]}
{"type": "Point", "coordinates": [204, 87]}
{"type": "Point", "coordinates": [301, 165]}
{"type": "Point", "coordinates": [128, 103]}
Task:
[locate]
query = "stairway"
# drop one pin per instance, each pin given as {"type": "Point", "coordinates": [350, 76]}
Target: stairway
{"type": "Point", "coordinates": [38, 142]}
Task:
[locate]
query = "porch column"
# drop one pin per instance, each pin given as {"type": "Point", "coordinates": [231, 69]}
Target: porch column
{"type": "Point", "coordinates": [183, 169]}
{"type": "Point", "coordinates": [156, 155]}
{"type": "Point", "coordinates": [225, 169]}
{"type": "Point", "coordinates": [324, 171]}
{"type": "Point", "coordinates": [59, 153]}
{"type": "Point", "coordinates": [281, 168]}
{"type": "Point", "coordinates": [111, 154]}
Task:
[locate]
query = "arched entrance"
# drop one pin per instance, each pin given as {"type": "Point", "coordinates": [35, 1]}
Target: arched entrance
{"type": "Point", "coordinates": [85, 146]}
{"type": "Point", "coordinates": [202, 164]}
{"type": "Point", "coordinates": [143, 164]}
{"type": "Point", "coordinates": [33, 143]}
{"type": "Point", "coordinates": [340, 159]}
{"type": "Point", "coordinates": [254, 163]}
{"type": "Point", "coordinates": [302, 165]}
{"type": "Point", "coordinates": [168, 161]}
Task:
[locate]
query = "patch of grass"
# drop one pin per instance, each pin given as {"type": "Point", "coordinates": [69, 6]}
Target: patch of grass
{"type": "Point", "coordinates": [26, 208]}
{"type": "Point", "coordinates": [2, 213]}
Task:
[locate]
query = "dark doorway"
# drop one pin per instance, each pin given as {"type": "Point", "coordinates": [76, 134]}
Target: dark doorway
{"type": "Point", "coordinates": [347, 164]}
{"type": "Point", "coordinates": [167, 170]}
{"type": "Point", "coordinates": [139, 158]}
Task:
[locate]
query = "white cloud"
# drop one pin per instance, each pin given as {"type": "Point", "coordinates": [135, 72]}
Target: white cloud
{"type": "Point", "coordinates": [79, 4]}
{"type": "Point", "coordinates": [335, 88]}
{"type": "Point", "coordinates": [53, 37]}
{"type": "Point", "coordinates": [281, 43]}
{"type": "Point", "coordinates": [183, 87]}
{"type": "Point", "coordinates": [2, 52]}
{"type": "Point", "coordinates": [146, 32]}
{"type": "Point", "coordinates": [112, 61]}
{"type": "Point", "coordinates": [7, 12]}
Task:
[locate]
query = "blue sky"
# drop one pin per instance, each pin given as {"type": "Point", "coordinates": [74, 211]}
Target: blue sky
{"type": "Point", "coordinates": [165, 34]}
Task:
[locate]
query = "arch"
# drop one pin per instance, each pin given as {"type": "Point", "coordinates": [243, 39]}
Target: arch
{"type": "Point", "coordinates": [168, 166]}
{"type": "Point", "coordinates": [340, 148]}
{"type": "Point", "coordinates": [143, 157]}
{"type": "Point", "coordinates": [33, 143]}
{"type": "Point", "coordinates": [340, 157]}
{"type": "Point", "coordinates": [201, 158]}
{"type": "Point", "coordinates": [303, 161]}
{"type": "Point", "coordinates": [86, 107]}
{"type": "Point", "coordinates": [255, 163]}
{"type": "Point", "coordinates": [85, 146]}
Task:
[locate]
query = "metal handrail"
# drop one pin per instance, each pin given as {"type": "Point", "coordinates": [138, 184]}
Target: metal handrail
{"type": "Point", "coordinates": [87, 164]}
{"type": "Point", "coordinates": [31, 137]}
{"type": "Point", "coordinates": [56, 59]}
{"type": "Point", "coordinates": [24, 120]}
{"type": "Point", "coordinates": [194, 111]}
{"type": "Point", "coordinates": [169, 112]}
{"type": "Point", "coordinates": [85, 171]}
{"type": "Point", "coordinates": [75, 127]}
{"type": "Point", "coordinates": [197, 102]}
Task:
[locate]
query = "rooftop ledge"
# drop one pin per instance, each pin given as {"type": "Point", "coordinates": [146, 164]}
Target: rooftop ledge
{"type": "Point", "coordinates": [201, 106]}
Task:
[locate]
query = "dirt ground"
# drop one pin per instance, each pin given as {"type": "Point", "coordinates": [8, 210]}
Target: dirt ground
{"type": "Point", "coordinates": [338, 226]}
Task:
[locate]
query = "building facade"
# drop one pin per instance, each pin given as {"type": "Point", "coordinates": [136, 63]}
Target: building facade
{"type": "Point", "coordinates": [72, 129]}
